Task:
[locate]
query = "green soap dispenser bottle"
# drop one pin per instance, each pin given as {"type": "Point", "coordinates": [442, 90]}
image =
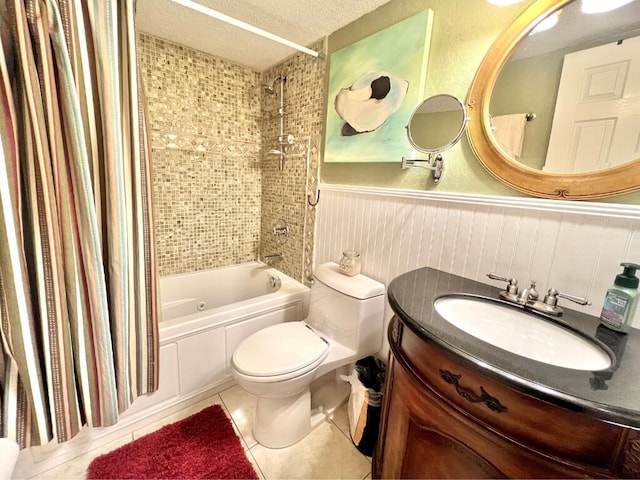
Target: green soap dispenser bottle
{"type": "Point", "coordinates": [621, 300]}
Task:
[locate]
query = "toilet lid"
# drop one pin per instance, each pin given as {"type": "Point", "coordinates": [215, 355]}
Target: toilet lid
{"type": "Point", "coordinates": [279, 349]}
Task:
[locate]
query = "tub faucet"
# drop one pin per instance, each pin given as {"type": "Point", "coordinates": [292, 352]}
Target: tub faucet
{"type": "Point", "coordinates": [272, 259]}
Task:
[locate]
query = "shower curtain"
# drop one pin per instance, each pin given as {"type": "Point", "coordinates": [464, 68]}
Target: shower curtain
{"type": "Point", "coordinates": [78, 306]}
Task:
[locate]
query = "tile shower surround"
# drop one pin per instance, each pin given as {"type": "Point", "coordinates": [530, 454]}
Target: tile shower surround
{"type": "Point", "coordinates": [217, 191]}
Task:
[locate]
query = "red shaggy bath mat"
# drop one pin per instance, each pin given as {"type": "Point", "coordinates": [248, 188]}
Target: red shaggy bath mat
{"type": "Point", "coordinates": [203, 445]}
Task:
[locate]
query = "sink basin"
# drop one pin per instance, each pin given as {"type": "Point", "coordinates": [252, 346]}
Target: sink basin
{"type": "Point", "coordinates": [523, 333]}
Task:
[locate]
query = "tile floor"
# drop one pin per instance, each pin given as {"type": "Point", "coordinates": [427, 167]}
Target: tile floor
{"type": "Point", "coordinates": [326, 453]}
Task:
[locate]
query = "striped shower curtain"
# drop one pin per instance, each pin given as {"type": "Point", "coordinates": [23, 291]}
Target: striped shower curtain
{"type": "Point", "coordinates": [78, 296]}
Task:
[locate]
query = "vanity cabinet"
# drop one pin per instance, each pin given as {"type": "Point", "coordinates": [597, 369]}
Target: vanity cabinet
{"type": "Point", "coordinates": [444, 418]}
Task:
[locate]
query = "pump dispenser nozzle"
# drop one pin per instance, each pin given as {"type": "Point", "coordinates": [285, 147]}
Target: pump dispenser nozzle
{"type": "Point", "coordinates": [628, 277]}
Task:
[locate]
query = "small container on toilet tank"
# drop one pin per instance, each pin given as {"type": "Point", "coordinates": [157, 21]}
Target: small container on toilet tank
{"type": "Point", "coordinates": [350, 263]}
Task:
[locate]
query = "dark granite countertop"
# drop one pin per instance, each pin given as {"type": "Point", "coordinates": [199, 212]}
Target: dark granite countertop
{"type": "Point", "coordinates": [612, 395]}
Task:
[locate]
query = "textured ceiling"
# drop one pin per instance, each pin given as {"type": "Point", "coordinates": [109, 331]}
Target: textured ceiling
{"type": "Point", "coordinates": [299, 21]}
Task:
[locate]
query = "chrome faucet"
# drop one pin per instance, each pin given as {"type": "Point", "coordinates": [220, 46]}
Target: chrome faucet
{"type": "Point", "coordinates": [529, 297]}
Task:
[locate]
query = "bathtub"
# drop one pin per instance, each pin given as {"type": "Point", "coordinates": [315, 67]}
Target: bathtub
{"type": "Point", "coordinates": [223, 294]}
{"type": "Point", "coordinates": [205, 315]}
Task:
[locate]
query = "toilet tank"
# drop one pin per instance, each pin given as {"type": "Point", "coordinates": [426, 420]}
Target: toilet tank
{"type": "Point", "coordinates": [349, 310]}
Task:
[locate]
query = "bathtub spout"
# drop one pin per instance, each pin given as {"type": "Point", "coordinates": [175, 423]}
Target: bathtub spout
{"type": "Point", "coordinates": [272, 259]}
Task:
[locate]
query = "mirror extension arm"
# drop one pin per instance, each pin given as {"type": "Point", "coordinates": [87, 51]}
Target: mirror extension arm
{"type": "Point", "coordinates": [435, 161]}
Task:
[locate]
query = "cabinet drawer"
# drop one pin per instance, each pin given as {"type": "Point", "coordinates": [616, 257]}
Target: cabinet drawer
{"type": "Point", "coordinates": [543, 427]}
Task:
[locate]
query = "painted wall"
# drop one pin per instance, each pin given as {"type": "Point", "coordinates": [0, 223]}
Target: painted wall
{"type": "Point", "coordinates": [463, 31]}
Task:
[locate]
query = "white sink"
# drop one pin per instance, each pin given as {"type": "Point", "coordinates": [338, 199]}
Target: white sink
{"type": "Point", "coordinates": [523, 333]}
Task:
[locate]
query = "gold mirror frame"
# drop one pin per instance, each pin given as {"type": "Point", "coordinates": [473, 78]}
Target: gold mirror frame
{"type": "Point", "coordinates": [571, 186]}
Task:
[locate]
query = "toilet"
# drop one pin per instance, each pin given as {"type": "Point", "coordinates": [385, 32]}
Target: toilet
{"type": "Point", "coordinates": [293, 367]}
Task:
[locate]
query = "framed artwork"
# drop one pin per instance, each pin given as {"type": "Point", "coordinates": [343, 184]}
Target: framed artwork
{"type": "Point", "coordinates": [374, 86]}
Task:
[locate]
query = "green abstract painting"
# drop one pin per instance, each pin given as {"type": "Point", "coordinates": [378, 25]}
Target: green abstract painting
{"type": "Point", "coordinates": [374, 86]}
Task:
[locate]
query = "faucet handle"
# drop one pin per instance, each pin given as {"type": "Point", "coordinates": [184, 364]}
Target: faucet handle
{"type": "Point", "coordinates": [551, 298]}
{"type": "Point", "coordinates": [511, 292]}
{"type": "Point", "coordinates": [495, 276]}
{"type": "Point", "coordinates": [512, 287]}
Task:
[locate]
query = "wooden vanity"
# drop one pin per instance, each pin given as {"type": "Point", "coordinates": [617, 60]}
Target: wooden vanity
{"type": "Point", "coordinates": [456, 407]}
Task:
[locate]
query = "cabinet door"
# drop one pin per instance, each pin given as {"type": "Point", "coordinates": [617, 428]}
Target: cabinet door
{"type": "Point", "coordinates": [420, 441]}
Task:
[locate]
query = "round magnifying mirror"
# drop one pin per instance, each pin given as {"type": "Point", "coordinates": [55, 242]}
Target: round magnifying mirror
{"type": "Point", "coordinates": [437, 123]}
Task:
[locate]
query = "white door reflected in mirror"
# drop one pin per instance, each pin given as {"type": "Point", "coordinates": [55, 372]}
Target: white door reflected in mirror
{"type": "Point", "coordinates": [596, 122]}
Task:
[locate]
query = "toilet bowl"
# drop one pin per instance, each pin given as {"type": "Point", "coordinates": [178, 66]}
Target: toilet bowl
{"type": "Point", "coordinates": [277, 361]}
{"type": "Point", "coordinates": [292, 367]}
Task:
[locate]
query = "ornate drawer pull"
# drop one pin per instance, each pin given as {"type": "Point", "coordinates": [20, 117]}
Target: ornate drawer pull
{"type": "Point", "coordinates": [396, 331]}
{"type": "Point", "coordinates": [491, 402]}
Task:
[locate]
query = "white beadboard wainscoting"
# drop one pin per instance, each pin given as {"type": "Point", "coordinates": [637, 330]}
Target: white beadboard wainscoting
{"type": "Point", "coordinates": [575, 247]}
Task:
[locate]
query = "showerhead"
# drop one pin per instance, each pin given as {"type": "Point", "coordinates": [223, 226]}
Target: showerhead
{"type": "Point", "coordinates": [270, 87]}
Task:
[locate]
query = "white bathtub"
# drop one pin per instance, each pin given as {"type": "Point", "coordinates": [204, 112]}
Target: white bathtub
{"type": "Point", "coordinates": [205, 315]}
{"type": "Point", "coordinates": [221, 295]}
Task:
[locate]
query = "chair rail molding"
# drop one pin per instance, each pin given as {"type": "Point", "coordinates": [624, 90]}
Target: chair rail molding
{"type": "Point", "coordinates": [617, 210]}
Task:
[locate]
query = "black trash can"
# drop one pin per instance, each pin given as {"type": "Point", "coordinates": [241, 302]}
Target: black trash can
{"type": "Point", "coordinates": [365, 403]}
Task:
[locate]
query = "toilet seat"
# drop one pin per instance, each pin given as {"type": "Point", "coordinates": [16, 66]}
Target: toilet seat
{"type": "Point", "coordinates": [280, 352]}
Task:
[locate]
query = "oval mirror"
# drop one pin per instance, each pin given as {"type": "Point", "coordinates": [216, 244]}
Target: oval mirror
{"type": "Point", "coordinates": [437, 123]}
{"type": "Point", "coordinates": [577, 84]}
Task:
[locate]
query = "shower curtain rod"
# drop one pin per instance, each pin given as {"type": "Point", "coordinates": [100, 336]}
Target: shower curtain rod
{"type": "Point", "coordinates": [245, 26]}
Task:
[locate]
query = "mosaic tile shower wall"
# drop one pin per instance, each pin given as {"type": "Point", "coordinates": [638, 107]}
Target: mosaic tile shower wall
{"type": "Point", "coordinates": [217, 191]}
{"type": "Point", "coordinates": [205, 127]}
{"type": "Point", "coordinates": [284, 192]}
